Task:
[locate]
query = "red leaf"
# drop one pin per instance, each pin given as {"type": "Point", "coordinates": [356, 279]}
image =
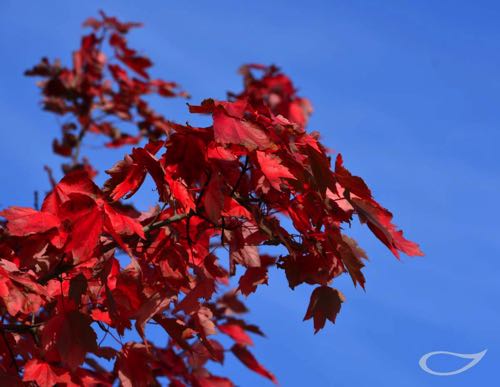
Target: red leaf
{"type": "Point", "coordinates": [379, 221]}
{"type": "Point", "coordinates": [236, 332]}
{"type": "Point", "coordinates": [18, 290]}
{"type": "Point", "coordinates": [300, 110]}
{"type": "Point", "coordinates": [148, 310]}
{"type": "Point", "coordinates": [25, 221]}
{"type": "Point", "coordinates": [213, 198]}
{"type": "Point", "coordinates": [352, 256]}
{"type": "Point", "coordinates": [121, 222]}
{"type": "Point", "coordinates": [231, 128]}
{"type": "Point", "coordinates": [320, 168]}
{"type": "Point", "coordinates": [233, 208]}
{"type": "Point", "coordinates": [86, 220]}
{"type": "Point", "coordinates": [246, 357]}
{"type": "Point", "coordinates": [354, 184]}
{"type": "Point", "coordinates": [148, 160]}
{"type": "Point", "coordinates": [75, 182]}
{"type": "Point", "coordinates": [240, 250]}
{"type": "Point", "coordinates": [137, 63]}
{"type": "Point", "coordinates": [127, 177]}
{"type": "Point", "coordinates": [202, 351]}
{"type": "Point", "coordinates": [133, 366]}
{"type": "Point", "coordinates": [253, 277]}
{"type": "Point", "coordinates": [175, 330]}
{"type": "Point", "coordinates": [72, 337]}
{"type": "Point", "coordinates": [325, 304]}
{"type": "Point", "coordinates": [44, 374]}
{"type": "Point", "coordinates": [214, 381]}
{"type": "Point", "coordinates": [378, 218]}
{"type": "Point", "coordinates": [180, 192]}
{"type": "Point", "coordinates": [273, 170]}
{"type": "Point", "coordinates": [203, 321]}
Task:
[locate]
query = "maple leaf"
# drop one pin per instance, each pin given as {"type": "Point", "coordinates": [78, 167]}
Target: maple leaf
{"type": "Point", "coordinates": [300, 111]}
{"type": "Point", "coordinates": [203, 289]}
{"type": "Point", "coordinates": [133, 366]}
{"type": "Point", "coordinates": [44, 374]}
{"type": "Point", "coordinates": [273, 169]}
{"type": "Point", "coordinates": [230, 126]}
{"type": "Point", "coordinates": [234, 130]}
{"type": "Point", "coordinates": [246, 357]}
{"type": "Point", "coordinates": [233, 208]}
{"type": "Point", "coordinates": [26, 221]}
{"type": "Point", "coordinates": [154, 168]}
{"type": "Point", "coordinates": [214, 381]}
{"type": "Point", "coordinates": [253, 277]}
{"type": "Point", "coordinates": [352, 256]}
{"type": "Point", "coordinates": [319, 165]}
{"type": "Point", "coordinates": [71, 336]}
{"type": "Point", "coordinates": [76, 182]}
{"type": "Point", "coordinates": [378, 218]}
{"type": "Point", "coordinates": [19, 291]}
{"type": "Point", "coordinates": [354, 184]}
{"type": "Point", "coordinates": [137, 63]}
{"type": "Point", "coordinates": [156, 304]}
{"type": "Point", "coordinates": [325, 304]}
{"type": "Point", "coordinates": [214, 197]}
{"type": "Point", "coordinates": [379, 221]}
{"type": "Point", "coordinates": [203, 321]}
{"type": "Point", "coordinates": [180, 192]}
{"type": "Point", "coordinates": [127, 177]}
{"type": "Point", "coordinates": [86, 220]}
{"type": "Point", "coordinates": [123, 220]}
{"type": "Point", "coordinates": [236, 332]}
{"type": "Point", "coordinates": [176, 330]}
{"type": "Point", "coordinates": [241, 252]}
{"type": "Point", "coordinates": [204, 351]}
{"type": "Point", "coordinates": [118, 223]}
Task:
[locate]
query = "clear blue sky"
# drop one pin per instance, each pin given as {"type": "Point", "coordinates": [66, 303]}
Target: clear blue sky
{"type": "Point", "coordinates": [408, 91]}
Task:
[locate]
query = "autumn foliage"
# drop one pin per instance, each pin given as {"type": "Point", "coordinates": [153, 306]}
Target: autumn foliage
{"type": "Point", "coordinates": [87, 265]}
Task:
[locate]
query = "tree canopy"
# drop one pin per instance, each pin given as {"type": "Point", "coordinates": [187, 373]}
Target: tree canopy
{"type": "Point", "coordinates": [224, 192]}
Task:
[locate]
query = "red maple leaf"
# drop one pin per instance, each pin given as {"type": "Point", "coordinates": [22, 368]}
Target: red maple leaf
{"type": "Point", "coordinates": [325, 304]}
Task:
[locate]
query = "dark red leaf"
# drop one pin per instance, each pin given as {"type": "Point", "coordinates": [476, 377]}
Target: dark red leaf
{"type": "Point", "coordinates": [325, 304]}
{"type": "Point", "coordinates": [72, 337]}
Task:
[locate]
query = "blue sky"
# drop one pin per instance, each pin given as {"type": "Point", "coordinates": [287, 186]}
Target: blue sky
{"type": "Point", "coordinates": [408, 91]}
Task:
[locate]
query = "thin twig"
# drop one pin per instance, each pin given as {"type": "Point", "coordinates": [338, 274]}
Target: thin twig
{"type": "Point", "coordinates": [240, 177]}
{"type": "Point", "coordinates": [11, 352]}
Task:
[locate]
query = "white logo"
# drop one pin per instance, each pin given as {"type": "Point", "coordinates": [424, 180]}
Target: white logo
{"type": "Point", "coordinates": [474, 357]}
